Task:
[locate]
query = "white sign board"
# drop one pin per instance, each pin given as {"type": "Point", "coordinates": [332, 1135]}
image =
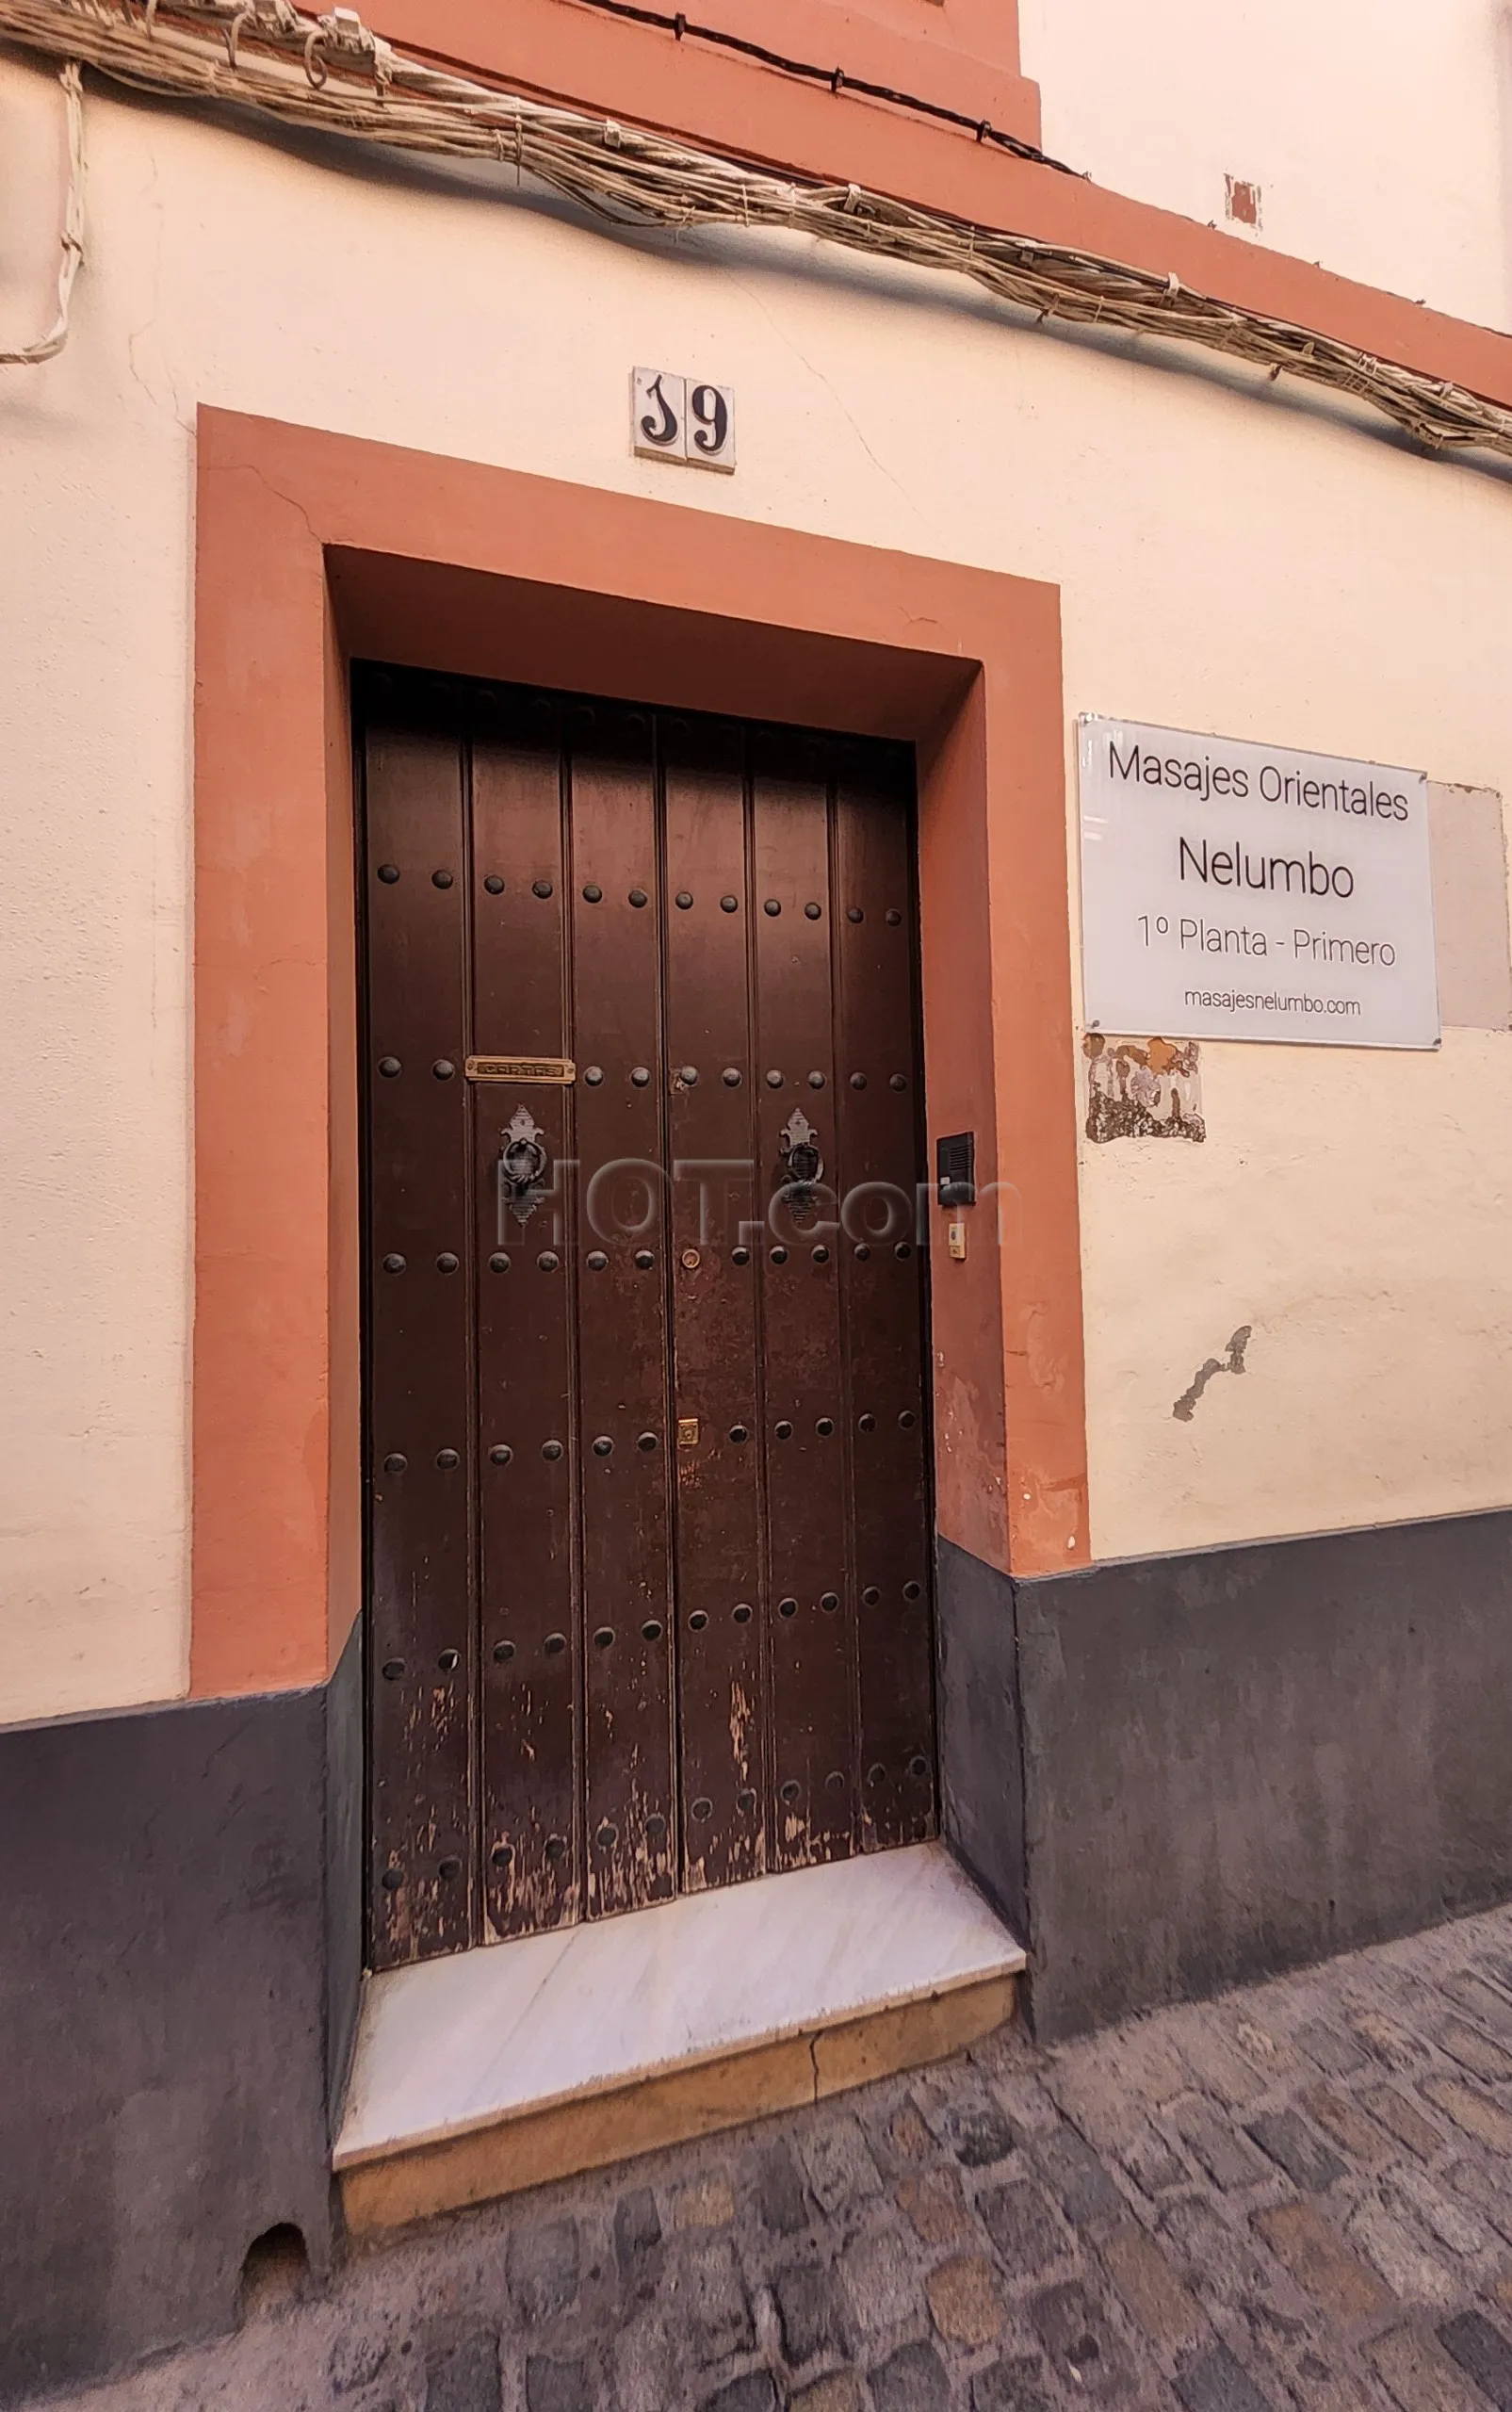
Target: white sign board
{"type": "Point", "coordinates": [1232, 891]}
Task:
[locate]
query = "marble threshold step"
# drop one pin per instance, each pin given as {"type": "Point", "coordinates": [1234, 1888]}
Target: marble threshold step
{"type": "Point", "coordinates": [505, 2067]}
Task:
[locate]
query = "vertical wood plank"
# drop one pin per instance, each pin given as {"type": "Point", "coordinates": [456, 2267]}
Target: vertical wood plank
{"type": "Point", "coordinates": [421, 1896]}
{"type": "Point", "coordinates": [716, 1257]}
{"type": "Point", "coordinates": [530, 1655]}
{"type": "Point", "coordinates": [622, 1328]}
{"type": "Point", "coordinates": [882, 1289]}
{"type": "Point", "coordinates": [810, 1626]}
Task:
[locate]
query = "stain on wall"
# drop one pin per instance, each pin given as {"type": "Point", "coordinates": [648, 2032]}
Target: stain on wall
{"type": "Point", "coordinates": [1232, 1361]}
{"type": "Point", "coordinates": [1143, 1088]}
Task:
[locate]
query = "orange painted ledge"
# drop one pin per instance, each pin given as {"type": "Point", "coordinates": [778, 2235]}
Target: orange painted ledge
{"type": "Point", "coordinates": [316, 549]}
{"type": "Point", "coordinates": [962, 55]}
{"type": "Point", "coordinates": [729, 104]}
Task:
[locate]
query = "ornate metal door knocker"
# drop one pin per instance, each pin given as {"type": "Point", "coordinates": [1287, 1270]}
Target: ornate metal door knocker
{"type": "Point", "coordinates": [801, 1164]}
{"type": "Point", "coordinates": [522, 1164]}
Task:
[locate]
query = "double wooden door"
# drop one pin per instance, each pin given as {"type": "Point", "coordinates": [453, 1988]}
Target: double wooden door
{"type": "Point", "coordinates": [649, 1554]}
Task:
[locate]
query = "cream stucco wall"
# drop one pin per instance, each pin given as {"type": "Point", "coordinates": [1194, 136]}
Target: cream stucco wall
{"type": "Point", "coordinates": [1227, 562]}
{"type": "Point", "coordinates": [1379, 131]}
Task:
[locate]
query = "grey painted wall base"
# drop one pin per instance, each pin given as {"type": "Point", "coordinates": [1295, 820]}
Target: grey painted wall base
{"type": "Point", "coordinates": [178, 1978]}
{"type": "Point", "coordinates": [1175, 1774]}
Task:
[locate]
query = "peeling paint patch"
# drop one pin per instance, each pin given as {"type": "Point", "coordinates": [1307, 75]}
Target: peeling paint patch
{"type": "Point", "coordinates": [1143, 1088]}
{"type": "Point", "coordinates": [1242, 201]}
{"type": "Point", "coordinates": [1232, 1361]}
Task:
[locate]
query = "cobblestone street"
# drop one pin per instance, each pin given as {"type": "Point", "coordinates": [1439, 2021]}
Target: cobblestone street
{"type": "Point", "coordinates": [1299, 2195]}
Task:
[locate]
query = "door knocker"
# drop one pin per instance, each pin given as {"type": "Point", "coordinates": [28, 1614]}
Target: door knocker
{"type": "Point", "coordinates": [522, 1164]}
{"type": "Point", "coordinates": [803, 1165]}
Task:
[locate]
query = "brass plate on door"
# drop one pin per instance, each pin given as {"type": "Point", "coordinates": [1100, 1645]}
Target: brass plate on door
{"type": "Point", "coordinates": [558, 1071]}
{"type": "Point", "coordinates": [687, 1431]}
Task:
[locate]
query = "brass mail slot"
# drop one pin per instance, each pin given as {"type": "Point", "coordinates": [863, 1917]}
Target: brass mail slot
{"type": "Point", "coordinates": [559, 1071]}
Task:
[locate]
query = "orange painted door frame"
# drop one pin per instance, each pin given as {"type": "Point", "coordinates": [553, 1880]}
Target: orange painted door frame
{"type": "Point", "coordinates": [316, 549]}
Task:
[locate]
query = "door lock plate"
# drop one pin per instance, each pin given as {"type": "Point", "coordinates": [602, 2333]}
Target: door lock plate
{"type": "Point", "coordinates": [553, 1071]}
{"type": "Point", "coordinates": [687, 1431]}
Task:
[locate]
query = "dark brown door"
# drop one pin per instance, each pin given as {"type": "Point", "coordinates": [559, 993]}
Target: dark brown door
{"type": "Point", "coordinates": [649, 1555]}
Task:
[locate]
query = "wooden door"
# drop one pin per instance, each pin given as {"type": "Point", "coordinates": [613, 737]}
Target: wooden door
{"type": "Point", "coordinates": [648, 1517]}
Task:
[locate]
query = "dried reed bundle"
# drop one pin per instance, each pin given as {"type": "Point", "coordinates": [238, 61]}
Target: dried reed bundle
{"type": "Point", "coordinates": [330, 72]}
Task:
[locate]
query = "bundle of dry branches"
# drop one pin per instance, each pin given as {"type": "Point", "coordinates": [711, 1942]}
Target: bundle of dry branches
{"type": "Point", "coordinates": [330, 72]}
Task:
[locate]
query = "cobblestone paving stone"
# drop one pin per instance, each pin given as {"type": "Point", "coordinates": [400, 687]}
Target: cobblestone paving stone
{"type": "Point", "coordinates": [1297, 2197]}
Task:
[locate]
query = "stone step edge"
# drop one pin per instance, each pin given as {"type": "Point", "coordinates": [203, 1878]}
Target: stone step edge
{"type": "Point", "coordinates": [533, 2144]}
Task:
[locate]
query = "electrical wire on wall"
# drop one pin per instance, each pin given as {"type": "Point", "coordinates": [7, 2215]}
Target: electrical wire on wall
{"type": "Point", "coordinates": [685, 28]}
{"type": "Point", "coordinates": [71, 239]}
{"type": "Point", "coordinates": [333, 73]}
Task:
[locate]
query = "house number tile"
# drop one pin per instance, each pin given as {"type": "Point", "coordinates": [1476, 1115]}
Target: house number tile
{"type": "Point", "coordinates": [682, 419]}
